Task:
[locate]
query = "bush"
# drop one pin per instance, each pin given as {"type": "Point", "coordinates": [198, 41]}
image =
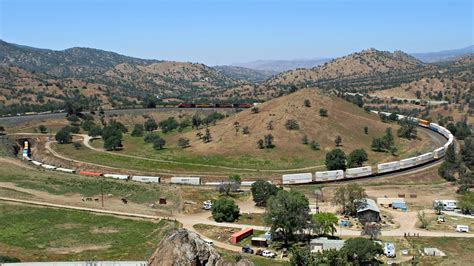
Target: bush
{"type": "Point", "coordinates": [151, 137]}
{"type": "Point", "coordinates": [336, 160]}
{"type": "Point", "coordinates": [291, 124]}
{"type": "Point", "coordinates": [150, 125]}
{"type": "Point", "coordinates": [168, 125]}
{"type": "Point", "coordinates": [95, 131]}
{"type": "Point", "coordinates": [159, 143]}
{"type": "Point", "coordinates": [225, 210]}
{"type": "Point", "coordinates": [63, 136]}
{"type": "Point", "coordinates": [77, 145]}
{"type": "Point", "coordinates": [307, 103]}
{"type": "Point", "coordinates": [183, 143]}
{"type": "Point", "coordinates": [357, 158]}
{"type": "Point", "coordinates": [262, 191]}
{"type": "Point", "coordinates": [314, 145]}
{"type": "Point", "coordinates": [43, 129]}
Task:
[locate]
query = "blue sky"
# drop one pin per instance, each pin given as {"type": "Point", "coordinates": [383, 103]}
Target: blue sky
{"type": "Point", "coordinates": [232, 31]}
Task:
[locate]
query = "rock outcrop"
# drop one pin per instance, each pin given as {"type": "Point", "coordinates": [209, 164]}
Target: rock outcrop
{"type": "Point", "coordinates": [183, 247]}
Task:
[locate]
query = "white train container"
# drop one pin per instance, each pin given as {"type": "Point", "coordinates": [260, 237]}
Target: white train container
{"type": "Point", "coordinates": [434, 127]}
{"type": "Point", "coordinates": [401, 117]}
{"type": "Point", "coordinates": [186, 180]}
{"type": "Point", "coordinates": [36, 163]}
{"type": "Point", "coordinates": [439, 152]}
{"type": "Point", "coordinates": [358, 172]}
{"type": "Point", "coordinates": [117, 176]}
{"type": "Point", "coordinates": [48, 167]}
{"type": "Point", "coordinates": [297, 178]}
{"type": "Point", "coordinates": [388, 167]}
{"type": "Point", "coordinates": [247, 183]}
{"type": "Point", "coordinates": [329, 175]}
{"type": "Point", "coordinates": [146, 179]}
{"type": "Point", "coordinates": [409, 162]}
{"type": "Point", "coordinates": [65, 170]}
{"type": "Point", "coordinates": [424, 158]}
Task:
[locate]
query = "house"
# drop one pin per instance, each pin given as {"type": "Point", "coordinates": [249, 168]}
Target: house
{"type": "Point", "coordinates": [368, 211]}
{"type": "Point", "coordinates": [323, 243]}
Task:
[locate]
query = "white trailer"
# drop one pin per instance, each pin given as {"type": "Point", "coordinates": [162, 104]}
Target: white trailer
{"type": "Point", "coordinates": [439, 152]}
{"type": "Point", "coordinates": [388, 167]}
{"type": "Point", "coordinates": [424, 158]}
{"type": "Point", "coordinates": [36, 163]}
{"type": "Point", "coordinates": [146, 179]}
{"type": "Point", "coordinates": [329, 175]}
{"type": "Point", "coordinates": [70, 171]}
{"type": "Point", "coordinates": [297, 178]}
{"type": "Point", "coordinates": [446, 205]}
{"type": "Point", "coordinates": [409, 162]}
{"type": "Point", "coordinates": [48, 167]}
{"type": "Point", "coordinates": [247, 183]}
{"type": "Point", "coordinates": [434, 127]}
{"type": "Point", "coordinates": [358, 172]}
{"type": "Point", "coordinates": [117, 176]}
{"type": "Point", "coordinates": [186, 180]}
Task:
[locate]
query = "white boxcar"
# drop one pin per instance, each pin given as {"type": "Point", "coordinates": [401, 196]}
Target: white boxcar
{"type": "Point", "coordinates": [48, 167]}
{"type": "Point", "coordinates": [186, 180]}
{"type": "Point", "coordinates": [439, 152]}
{"type": "Point", "coordinates": [146, 179]}
{"type": "Point", "coordinates": [36, 163]}
{"type": "Point", "coordinates": [409, 162]}
{"type": "Point", "coordinates": [247, 183]}
{"type": "Point", "coordinates": [117, 176]}
{"type": "Point", "coordinates": [424, 158]}
{"type": "Point", "coordinates": [358, 172]}
{"type": "Point", "coordinates": [434, 127]}
{"type": "Point", "coordinates": [71, 171]}
{"type": "Point", "coordinates": [297, 178]}
{"type": "Point", "coordinates": [388, 167]}
{"type": "Point", "coordinates": [329, 175]}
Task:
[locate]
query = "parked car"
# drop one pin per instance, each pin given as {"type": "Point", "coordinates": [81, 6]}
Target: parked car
{"type": "Point", "coordinates": [209, 242]}
{"type": "Point", "coordinates": [268, 254]}
{"type": "Point", "coordinates": [247, 249]}
{"type": "Point", "coordinates": [404, 252]}
{"type": "Point", "coordinates": [259, 252]}
{"type": "Point", "coordinates": [207, 205]}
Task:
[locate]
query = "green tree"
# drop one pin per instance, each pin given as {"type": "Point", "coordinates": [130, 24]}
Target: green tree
{"type": "Point", "coordinates": [225, 210]}
{"type": "Point", "coordinates": [73, 119]}
{"type": "Point", "coordinates": [159, 143]}
{"type": "Point", "coordinates": [151, 137]}
{"type": "Point", "coordinates": [305, 140]}
{"type": "Point", "coordinates": [361, 251]}
{"type": "Point", "coordinates": [168, 125]}
{"type": "Point", "coordinates": [336, 160]}
{"type": "Point", "coordinates": [388, 138]}
{"type": "Point", "coordinates": [325, 223]}
{"type": "Point", "coordinates": [137, 130]}
{"type": "Point", "coordinates": [451, 154]}
{"type": "Point", "coordinates": [268, 141]}
{"type": "Point", "coordinates": [467, 153]}
{"type": "Point", "coordinates": [314, 145]}
{"type": "Point", "coordinates": [307, 103]}
{"type": "Point", "coordinates": [349, 197]}
{"type": "Point", "coordinates": [183, 143]}
{"type": "Point", "coordinates": [43, 129]}
{"type": "Point", "coordinates": [357, 158]}
{"type": "Point", "coordinates": [63, 136]}
{"type": "Point", "coordinates": [323, 112]}
{"type": "Point", "coordinates": [150, 125]}
{"type": "Point", "coordinates": [377, 144]}
{"type": "Point", "coordinates": [118, 126]}
{"type": "Point", "coordinates": [287, 213]}
{"type": "Point", "coordinates": [330, 257]}
{"type": "Point", "coordinates": [207, 136]}
{"type": "Point", "coordinates": [301, 256]}
{"type": "Point", "coordinates": [262, 191]}
{"type": "Point", "coordinates": [112, 136]}
{"type": "Point", "coordinates": [408, 129]}
{"type": "Point", "coordinates": [260, 144]}
{"type": "Point", "coordinates": [466, 203]}
{"type": "Point", "coordinates": [291, 124]}
{"type": "Point", "coordinates": [95, 131]}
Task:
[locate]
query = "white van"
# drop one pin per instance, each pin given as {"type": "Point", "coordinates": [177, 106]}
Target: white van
{"type": "Point", "coordinates": [209, 242]}
{"type": "Point", "coordinates": [389, 250]}
{"type": "Point", "coordinates": [462, 228]}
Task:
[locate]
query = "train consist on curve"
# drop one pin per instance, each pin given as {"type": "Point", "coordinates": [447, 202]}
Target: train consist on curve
{"type": "Point", "coordinates": [289, 179]}
{"type": "Point", "coordinates": [383, 168]}
{"type": "Point", "coordinates": [215, 105]}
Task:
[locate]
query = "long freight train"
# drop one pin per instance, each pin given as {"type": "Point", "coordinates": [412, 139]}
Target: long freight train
{"type": "Point", "coordinates": [380, 169]}
{"type": "Point", "coordinates": [299, 178]}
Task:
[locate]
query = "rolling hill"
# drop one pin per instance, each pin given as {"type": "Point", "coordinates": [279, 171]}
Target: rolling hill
{"type": "Point", "coordinates": [248, 74]}
{"type": "Point", "coordinates": [283, 65]}
{"type": "Point", "coordinates": [446, 55]}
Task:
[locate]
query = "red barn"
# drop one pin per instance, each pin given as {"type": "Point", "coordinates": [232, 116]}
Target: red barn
{"type": "Point", "coordinates": [236, 237]}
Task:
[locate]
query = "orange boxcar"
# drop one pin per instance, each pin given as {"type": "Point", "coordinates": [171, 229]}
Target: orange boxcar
{"type": "Point", "coordinates": [424, 123]}
{"type": "Point", "coordinates": [236, 237]}
{"type": "Point", "coordinates": [90, 173]}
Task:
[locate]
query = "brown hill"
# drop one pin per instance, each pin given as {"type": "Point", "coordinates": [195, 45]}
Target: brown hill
{"type": "Point", "coordinates": [344, 119]}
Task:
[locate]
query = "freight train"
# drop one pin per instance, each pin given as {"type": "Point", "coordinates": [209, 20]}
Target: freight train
{"type": "Point", "coordinates": [380, 169]}
{"type": "Point", "coordinates": [215, 105]}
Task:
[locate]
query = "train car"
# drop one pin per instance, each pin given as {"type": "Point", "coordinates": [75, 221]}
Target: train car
{"type": "Point", "coordinates": [146, 179]}
{"type": "Point", "coordinates": [424, 158]}
{"type": "Point", "coordinates": [205, 105]}
{"type": "Point", "coordinates": [401, 117]}
{"type": "Point", "coordinates": [48, 167]}
{"type": "Point", "coordinates": [329, 175]}
{"type": "Point", "coordinates": [117, 176]}
{"type": "Point", "coordinates": [434, 127]}
{"type": "Point", "coordinates": [87, 173]}
{"type": "Point", "coordinates": [423, 123]}
{"type": "Point", "coordinates": [302, 178]}
{"type": "Point", "coordinates": [242, 105]}
{"type": "Point", "coordinates": [223, 105]}
{"type": "Point", "coordinates": [439, 152]}
{"type": "Point", "coordinates": [358, 172]}
{"type": "Point", "coordinates": [409, 162]}
{"type": "Point", "coordinates": [388, 167]}
{"type": "Point", "coordinates": [186, 105]}
{"type": "Point", "coordinates": [36, 163]}
{"type": "Point", "coordinates": [186, 180]}
{"type": "Point", "coordinates": [65, 170]}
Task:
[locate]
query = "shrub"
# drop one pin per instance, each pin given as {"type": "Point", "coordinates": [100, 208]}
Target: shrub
{"type": "Point", "coordinates": [323, 112]}
{"type": "Point", "coordinates": [291, 124]}
{"type": "Point", "coordinates": [225, 210]}
{"type": "Point", "coordinates": [137, 130]}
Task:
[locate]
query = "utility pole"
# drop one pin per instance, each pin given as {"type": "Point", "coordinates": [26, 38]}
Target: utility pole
{"type": "Point", "coordinates": [102, 190]}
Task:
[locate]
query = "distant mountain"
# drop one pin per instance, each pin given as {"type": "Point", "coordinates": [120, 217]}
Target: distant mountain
{"type": "Point", "coordinates": [38, 77]}
{"type": "Point", "coordinates": [443, 55]}
{"type": "Point", "coordinates": [248, 74]}
{"type": "Point", "coordinates": [283, 65]}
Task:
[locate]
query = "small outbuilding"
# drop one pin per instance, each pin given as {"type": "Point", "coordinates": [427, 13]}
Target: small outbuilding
{"type": "Point", "coordinates": [323, 243]}
{"type": "Point", "coordinates": [368, 211]}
